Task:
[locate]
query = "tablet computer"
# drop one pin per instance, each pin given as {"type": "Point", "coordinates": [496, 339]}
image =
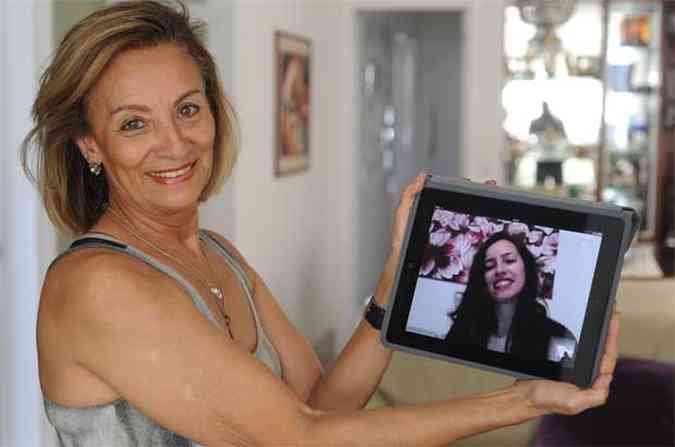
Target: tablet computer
{"type": "Point", "coordinates": [509, 281]}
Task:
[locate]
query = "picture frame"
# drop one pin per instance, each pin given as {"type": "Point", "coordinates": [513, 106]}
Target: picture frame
{"type": "Point", "coordinates": [293, 95]}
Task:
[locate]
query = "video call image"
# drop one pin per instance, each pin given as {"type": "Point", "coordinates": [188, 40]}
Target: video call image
{"type": "Point", "coordinates": [503, 285]}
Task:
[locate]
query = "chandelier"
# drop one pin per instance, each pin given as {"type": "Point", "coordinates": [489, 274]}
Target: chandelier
{"type": "Point", "coordinates": [546, 16]}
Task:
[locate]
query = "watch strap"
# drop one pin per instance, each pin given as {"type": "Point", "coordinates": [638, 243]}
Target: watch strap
{"type": "Point", "coordinates": [374, 314]}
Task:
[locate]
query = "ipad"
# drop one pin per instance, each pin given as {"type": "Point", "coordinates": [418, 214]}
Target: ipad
{"type": "Point", "coordinates": [509, 281]}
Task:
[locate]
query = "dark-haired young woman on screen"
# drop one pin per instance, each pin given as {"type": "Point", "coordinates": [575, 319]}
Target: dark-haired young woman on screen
{"type": "Point", "coordinates": [500, 311]}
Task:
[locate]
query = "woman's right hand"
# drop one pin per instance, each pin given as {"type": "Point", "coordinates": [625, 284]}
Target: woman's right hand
{"type": "Point", "coordinates": [403, 212]}
{"type": "Point", "coordinates": [548, 396]}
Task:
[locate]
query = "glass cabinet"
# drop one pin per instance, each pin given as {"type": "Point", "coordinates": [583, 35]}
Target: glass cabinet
{"type": "Point", "coordinates": [582, 100]}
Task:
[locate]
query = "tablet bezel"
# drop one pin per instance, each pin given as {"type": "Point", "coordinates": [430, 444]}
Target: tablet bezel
{"type": "Point", "coordinates": [505, 203]}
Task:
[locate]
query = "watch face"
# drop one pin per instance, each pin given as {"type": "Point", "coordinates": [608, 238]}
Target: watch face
{"type": "Point", "coordinates": [374, 314]}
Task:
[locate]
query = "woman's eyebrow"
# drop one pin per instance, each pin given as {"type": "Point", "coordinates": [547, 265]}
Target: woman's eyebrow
{"type": "Point", "coordinates": [186, 94]}
{"type": "Point", "coordinates": [124, 107]}
{"type": "Point", "coordinates": [142, 108]}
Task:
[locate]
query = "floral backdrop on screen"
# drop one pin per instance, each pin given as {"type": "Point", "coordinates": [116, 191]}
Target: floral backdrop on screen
{"type": "Point", "coordinates": [454, 239]}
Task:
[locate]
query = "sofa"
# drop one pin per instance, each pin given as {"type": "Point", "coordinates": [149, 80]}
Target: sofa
{"type": "Point", "coordinates": [646, 344]}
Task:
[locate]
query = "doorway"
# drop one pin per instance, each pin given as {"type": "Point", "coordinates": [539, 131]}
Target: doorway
{"type": "Point", "coordinates": [410, 101]}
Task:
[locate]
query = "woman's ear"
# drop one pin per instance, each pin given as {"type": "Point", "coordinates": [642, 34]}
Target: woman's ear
{"type": "Point", "coordinates": [89, 148]}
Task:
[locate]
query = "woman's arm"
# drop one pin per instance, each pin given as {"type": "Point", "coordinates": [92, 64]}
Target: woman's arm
{"type": "Point", "coordinates": [362, 363]}
{"type": "Point", "coordinates": [145, 339]}
{"type": "Point", "coordinates": [301, 369]}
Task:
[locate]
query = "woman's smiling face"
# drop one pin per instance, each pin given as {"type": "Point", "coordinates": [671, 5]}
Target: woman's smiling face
{"type": "Point", "coordinates": [504, 271]}
{"type": "Point", "coordinates": [152, 128]}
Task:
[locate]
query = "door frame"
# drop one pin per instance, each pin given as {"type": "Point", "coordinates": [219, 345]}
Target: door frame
{"type": "Point", "coordinates": [482, 51]}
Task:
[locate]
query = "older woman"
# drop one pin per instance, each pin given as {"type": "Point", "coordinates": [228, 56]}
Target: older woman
{"type": "Point", "coordinates": [154, 332]}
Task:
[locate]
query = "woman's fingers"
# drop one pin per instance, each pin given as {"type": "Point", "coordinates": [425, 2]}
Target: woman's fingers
{"type": "Point", "coordinates": [611, 346]}
{"type": "Point", "coordinates": [599, 392]}
{"type": "Point", "coordinates": [410, 192]}
{"type": "Point", "coordinates": [403, 209]}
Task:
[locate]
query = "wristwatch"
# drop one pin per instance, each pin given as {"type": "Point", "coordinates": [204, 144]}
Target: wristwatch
{"type": "Point", "coordinates": [374, 314]}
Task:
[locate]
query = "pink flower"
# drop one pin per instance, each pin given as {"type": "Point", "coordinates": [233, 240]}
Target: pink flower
{"type": "Point", "coordinates": [443, 217]}
{"type": "Point", "coordinates": [428, 267]}
{"type": "Point", "coordinates": [496, 228]}
{"type": "Point", "coordinates": [460, 253]}
{"type": "Point", "coordinates": [535, 237]}
{"type": "Point", "coordinates": [459, 222]}
{"type": "Point", "coordinates": [439, 237]}
{"type": "Point", "coordinates": [451, 270]}
{"type": "Point", "coordinates": [536, 250]}
{"type": "Point", "coordinates": [475, 235]}
{"type": "Point", "coordinates": [550, 245]}
{"type": "Point", "coordinates": [479, 229]}
{"type": "Point", "coordinates": [518, 228]}
{"type": "Point", "coordinates": [546, 264]}
{"type": "Point", "coordinates": [460, 245]}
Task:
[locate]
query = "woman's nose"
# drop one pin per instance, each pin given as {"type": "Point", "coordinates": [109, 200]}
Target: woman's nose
{"type": "Point", "coordinates": [171, 139]}
{"type": "Point", "coordinates": [500, 268]}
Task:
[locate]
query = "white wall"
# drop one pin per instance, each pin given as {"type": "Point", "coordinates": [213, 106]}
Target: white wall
{"type": "Point", "coordinates": [218, 213]}
{"type": "Point", "coordinates": [4, 187]}
{"type": "Point", "coordinates": [28, 243]}
{"type": "Point", "coordinates": [289, 227]}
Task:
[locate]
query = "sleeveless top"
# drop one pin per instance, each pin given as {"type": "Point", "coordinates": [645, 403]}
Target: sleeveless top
{"type": "Point", "coordinates": [118, 423]}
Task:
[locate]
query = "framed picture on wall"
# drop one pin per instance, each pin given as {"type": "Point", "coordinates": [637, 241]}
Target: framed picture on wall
{"type": "Point", "coordinates": [293, 62]}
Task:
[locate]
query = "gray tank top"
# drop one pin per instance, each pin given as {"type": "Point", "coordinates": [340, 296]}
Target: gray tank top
{"type": "Point", "coordinates": [118, 423]}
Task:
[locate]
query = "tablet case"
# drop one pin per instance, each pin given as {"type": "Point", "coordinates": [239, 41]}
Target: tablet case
{"type": "Point", "coordinates": [631, 225]}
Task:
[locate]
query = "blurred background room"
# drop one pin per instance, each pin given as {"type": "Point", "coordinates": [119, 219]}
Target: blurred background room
{"type": "Point", "coordinates": [571, 98]}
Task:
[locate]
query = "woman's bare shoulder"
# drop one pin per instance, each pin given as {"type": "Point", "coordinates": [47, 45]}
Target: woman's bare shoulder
{"type": "Point", "coordinates": [92, 281]}
{"type": "Point", "coordinates": [77, 271]}
{"type": "Point", "coordinates": [85, 291]}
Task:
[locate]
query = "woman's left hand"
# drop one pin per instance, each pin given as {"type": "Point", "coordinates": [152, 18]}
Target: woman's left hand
{"type": "Point", "coordinates": [547, 396]}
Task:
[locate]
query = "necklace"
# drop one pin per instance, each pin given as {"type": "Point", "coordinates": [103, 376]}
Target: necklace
{"type": "Point", "coordinates": [216, 292]}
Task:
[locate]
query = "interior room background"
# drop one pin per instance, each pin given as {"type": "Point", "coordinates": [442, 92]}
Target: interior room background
{"type": "Point", "coordinates": [453, 87]}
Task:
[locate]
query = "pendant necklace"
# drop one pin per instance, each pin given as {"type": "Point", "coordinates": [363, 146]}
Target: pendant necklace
{"type": "Point", "coordinates": [216, 292]}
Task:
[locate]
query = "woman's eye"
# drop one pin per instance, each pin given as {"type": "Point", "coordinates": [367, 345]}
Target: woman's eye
{"type": "Point", "coordinates": [188, 110]}
{"type": "Point", "coordinates": [133, 124]}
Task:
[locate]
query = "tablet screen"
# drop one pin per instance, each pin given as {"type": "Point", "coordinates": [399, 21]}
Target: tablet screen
{"type": "Point", "coordinates": [561, 264]}
{"type": "Point", "coordinates": [499, 280]}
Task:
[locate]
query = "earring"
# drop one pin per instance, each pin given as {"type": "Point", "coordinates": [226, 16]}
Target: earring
{"type": "Point", "coordinates": [95, 167]}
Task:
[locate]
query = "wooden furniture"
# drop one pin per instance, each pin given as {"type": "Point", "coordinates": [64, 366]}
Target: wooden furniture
{"type": "Point", "coordinates": [664, 235]}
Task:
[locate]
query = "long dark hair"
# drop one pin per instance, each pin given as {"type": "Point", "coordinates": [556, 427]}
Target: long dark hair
{"type": "Point", "coordinates": [475, 319]}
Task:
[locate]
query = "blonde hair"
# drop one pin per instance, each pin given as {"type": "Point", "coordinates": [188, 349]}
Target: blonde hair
{"type": "Point", "coordinates": [74, 198]}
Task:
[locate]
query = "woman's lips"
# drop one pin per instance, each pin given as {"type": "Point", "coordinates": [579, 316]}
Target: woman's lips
{"type": "Point", "coordinates": [502, 284]}
{"type": "Point", "coordinates": [172, 177]}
